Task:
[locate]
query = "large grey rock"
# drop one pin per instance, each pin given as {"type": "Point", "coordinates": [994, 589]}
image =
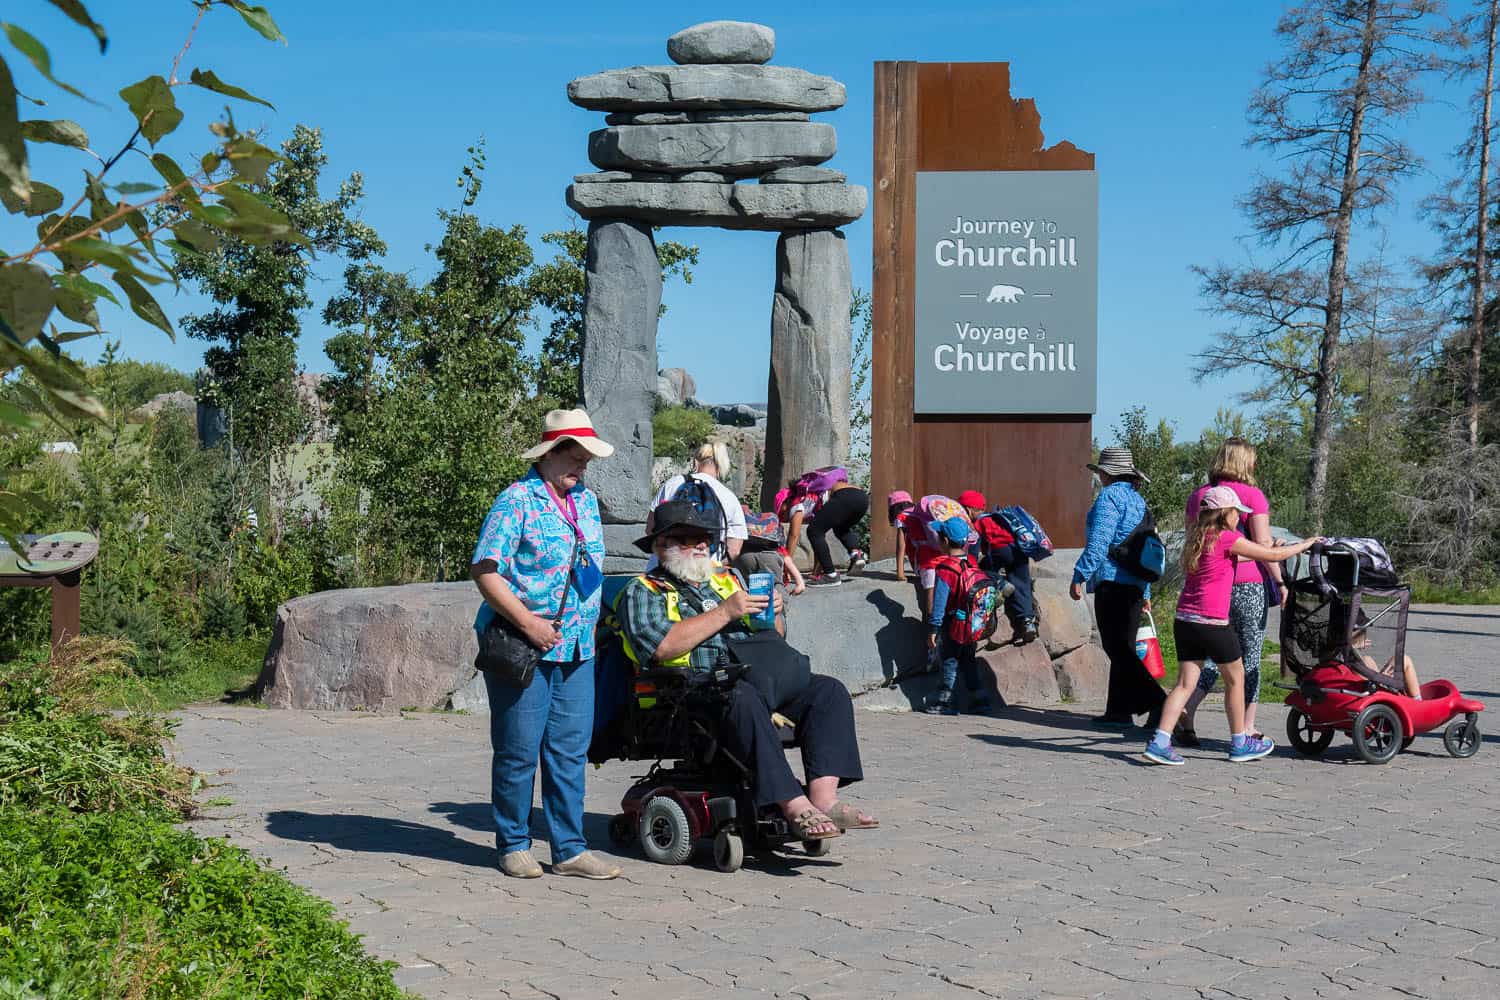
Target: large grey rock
{"type": "Point", "coordinates": [707, 176]}
{"type": "Point", "coordinates": [804, 175]}
{"type": "Point", "coordinates": [1083, 674]}
{"type": "Point", "coordinates": [702, 88]}
{"type": "Point", "coordinates": [622, 295]}
{"type": "Point", "coordinates": [616, 176]}
{"type": "Point", "coordinates": [741, 150]}
{"type": "Point", "coordinates": [808, 421]}
{"type": "Point", "coordinates": [722, 42]}
{"type": "Point", "coordinates": [620, 553]}
{"type": "Point", "coordinates": [379, 648]}
{"type": "Point", "coordinates": [1023, 675]}
{"type": "Point", "coordinates": [736, 414]}
{"type": "Point", "coordinates": [683, 117]}
{"type": "Point", "coordinates": [747, 449]}
{"type": "Point", "coordinates": [154, 406]}
{"type": "Point", "coordinates": [674, 386]}
{"type": "Point", "coordinates": [773, 207]}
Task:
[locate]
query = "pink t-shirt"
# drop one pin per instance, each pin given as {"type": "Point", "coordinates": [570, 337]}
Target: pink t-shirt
{"type": "Point", "coordinates": [1205, 593]}
{"type": "Point", "coordinates": [1248, 571]}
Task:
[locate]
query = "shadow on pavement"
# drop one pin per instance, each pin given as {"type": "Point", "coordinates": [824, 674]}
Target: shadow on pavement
{"type": "Point", "coordinates": [1105, 746]}
{"type": "Point", "coordinates": [379, 835]}
{"type": "Point", "coordinates": [476, 816]}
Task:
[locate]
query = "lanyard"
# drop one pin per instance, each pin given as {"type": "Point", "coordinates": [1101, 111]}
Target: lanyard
{"type": "Point", "coordinates": [566, 507]}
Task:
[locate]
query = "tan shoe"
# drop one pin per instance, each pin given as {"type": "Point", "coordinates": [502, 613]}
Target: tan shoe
{"type": "Point", "coordinates": [586, 865]}
{"type": "Point", "coordinates": [520, 864]}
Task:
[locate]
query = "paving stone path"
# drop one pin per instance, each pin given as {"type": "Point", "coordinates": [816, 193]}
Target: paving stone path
{"type": "Point", "coordinates": [1021, 856]}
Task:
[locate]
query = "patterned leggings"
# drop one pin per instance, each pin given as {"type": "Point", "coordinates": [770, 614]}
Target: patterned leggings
{"type": "Point", "coordinates": [1247, 616]}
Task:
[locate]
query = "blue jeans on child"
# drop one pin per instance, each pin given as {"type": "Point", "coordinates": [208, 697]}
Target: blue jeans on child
{"type": "Point", "coordinates": [552, 720]}
{"type": "Point", "coordinates": [1017, 568]}
{"type": "Point", "coordinates": [956, 657]}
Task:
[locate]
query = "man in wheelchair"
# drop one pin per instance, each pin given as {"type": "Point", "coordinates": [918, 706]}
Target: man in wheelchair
{"type": "Point", "coordinates": [692, 614]}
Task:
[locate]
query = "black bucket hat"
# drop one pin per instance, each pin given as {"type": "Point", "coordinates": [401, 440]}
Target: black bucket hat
{"type": "Point", "coordinates": [675, 514]}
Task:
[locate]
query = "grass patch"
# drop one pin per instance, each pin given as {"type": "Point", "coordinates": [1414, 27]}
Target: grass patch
{"type": "Point", "coordinates": [1426, 592]}
{"type": "Point", "coordinates": [210, 670]}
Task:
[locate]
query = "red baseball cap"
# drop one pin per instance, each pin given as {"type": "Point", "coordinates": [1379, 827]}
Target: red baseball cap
{"type": "Point", "coordinates": [972, 498]}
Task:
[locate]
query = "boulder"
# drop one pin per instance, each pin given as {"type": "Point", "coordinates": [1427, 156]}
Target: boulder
{"type": "Point", "coordinates": [379, 648]}
{"type": "Point", "coordinates": [676, 385]}
{"type": "Point", "coordinates": [722, 42]}
{"type": "Point", "coordinates": [772, 207]}
{"type": "Point", "coordinates": [1066, 624]}
{"type": "Point", "coordinates": [622, 295]}
{"type": "Point", "coordinates": [706, 88]}
{"type": "Point", "coordinates": [1083, 674]}
{"type": "Point", "coordinates": [804, 175]}
{"type": "Point", "coordinates": [1023, 675]}
{"type": "Point", "coordinates": [736, 414]}
{"type": "Point", "coordinates": [620, 553]}
{"type": "Point", "coordinates": [154, 406]}
{"type": "Point", "coordinates": [747, 448]}
{"type": "Point", "coordinates": [616, 176]}
{"type": "Point", "coordinates": [808, 420]}
{"type": "Point", "coordinates": [683, 117]}
{"type": "Point", "coordinates": [708, 176]}
{"type": "Point", "coordinates": [739, 150]}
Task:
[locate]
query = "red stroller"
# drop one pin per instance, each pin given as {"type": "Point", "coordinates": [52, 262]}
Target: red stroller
{"type": "Point", "coordinates": [1343, 635]}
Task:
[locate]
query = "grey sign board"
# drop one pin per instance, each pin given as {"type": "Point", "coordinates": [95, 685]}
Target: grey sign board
{"type": "Point", "coordinates": [1007, 291]}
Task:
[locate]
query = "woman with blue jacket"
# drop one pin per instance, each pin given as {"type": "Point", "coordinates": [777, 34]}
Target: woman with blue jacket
{"type": "Point", "coordinates": [1119, 595]}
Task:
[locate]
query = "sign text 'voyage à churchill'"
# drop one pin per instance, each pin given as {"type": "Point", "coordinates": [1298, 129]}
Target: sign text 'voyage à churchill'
{"type": "Point", "coordinates": [1007, 292]}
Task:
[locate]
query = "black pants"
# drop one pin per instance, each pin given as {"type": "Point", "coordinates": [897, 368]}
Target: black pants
{"type": "Point", "coordinates": [1017, 569]}
{"type": "Point", "coordinates": [839, 515]}
{"type": "Point", "coordinates": [1132, 691]}
{"type": "Point", "coordinates": [824, 719]}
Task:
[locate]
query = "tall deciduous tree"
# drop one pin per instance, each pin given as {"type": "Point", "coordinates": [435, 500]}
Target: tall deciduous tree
{"type": "Point", "coordinates": [262, 292]}
{"type": "Point", "coordinates": [1327, 111]}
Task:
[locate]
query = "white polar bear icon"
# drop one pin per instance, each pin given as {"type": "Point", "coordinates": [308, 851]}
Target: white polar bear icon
{"type": "Point", "coordinates": [1005, 293]}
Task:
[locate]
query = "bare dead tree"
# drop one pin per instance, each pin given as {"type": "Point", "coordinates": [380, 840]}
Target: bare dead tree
{"type": "Point", "coordinates": [1327, 111]}
{"type": "Point", "coordinates": [1461, 213]}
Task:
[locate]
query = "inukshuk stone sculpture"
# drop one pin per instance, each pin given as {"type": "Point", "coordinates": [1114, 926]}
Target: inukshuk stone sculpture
{"type": "Point", "coordinates": [719, 139]}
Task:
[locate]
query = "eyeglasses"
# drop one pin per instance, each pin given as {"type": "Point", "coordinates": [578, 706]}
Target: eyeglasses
{"type": "Point", "coordinates": [687, 541]}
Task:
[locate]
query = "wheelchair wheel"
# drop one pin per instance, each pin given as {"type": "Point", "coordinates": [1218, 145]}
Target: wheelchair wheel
{"type": "Point", "coordinates": [665, 835]}
{"type": "Point", "coordinates": [621, 831]}
{"type": "Point", "coordinates": [1378, 733]}
{"type": "Point", "coordinates": [729, 851]}
{"type": "Point", "coordinates": [817, 848]}
{"type": "Point", "coordinates": [1461, 738]}
{"type": "Point", "coordinates": [1306, 739]}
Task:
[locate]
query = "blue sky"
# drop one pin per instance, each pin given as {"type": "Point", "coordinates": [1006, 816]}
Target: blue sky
{"type": "Point", "coordinates": [1156, 89]}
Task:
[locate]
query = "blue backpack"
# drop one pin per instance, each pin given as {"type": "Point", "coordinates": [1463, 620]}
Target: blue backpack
{"type": "Point", "coordinates": [1030, 536]}
{"type": "Point", "coordinates": [1141, 553]}
{"type": "Point", "coordinates": [701, 495]}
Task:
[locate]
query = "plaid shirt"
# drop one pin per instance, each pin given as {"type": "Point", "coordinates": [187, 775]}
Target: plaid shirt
{"type": "Point", "coordinates": [645, 624]}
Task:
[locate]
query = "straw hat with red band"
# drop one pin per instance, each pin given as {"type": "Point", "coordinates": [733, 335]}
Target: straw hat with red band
{"type": "Point", "coordinates": [561, 426]}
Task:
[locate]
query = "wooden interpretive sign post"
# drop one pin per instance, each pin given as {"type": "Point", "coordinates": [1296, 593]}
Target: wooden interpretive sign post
{"type": "Point", "coordinates": [985, 299]}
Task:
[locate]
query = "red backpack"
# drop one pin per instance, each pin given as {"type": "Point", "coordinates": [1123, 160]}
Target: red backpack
{"type": "Point", "coordinates": [970, 616]}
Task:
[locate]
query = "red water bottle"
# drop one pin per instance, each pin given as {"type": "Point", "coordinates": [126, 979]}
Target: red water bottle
{"type": "Point", "coordinates": [1148, 648]}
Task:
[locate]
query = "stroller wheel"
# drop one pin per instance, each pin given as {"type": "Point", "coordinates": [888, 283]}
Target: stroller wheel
{"type": "Point", "coordinates": [729, 851]}
{"type": "Point", "coordinates": [817, 848]}
{"type": "Point", "coordinates": [1308, 740]}
{"type": "Point", "coordinates": [1462, 736]}
{"type": "Point", "coordinates": [1378, 733]}
{"type": "Point", "coordinates": [620, 830]}
{"type": "Point", "coordinates": [665, 834]}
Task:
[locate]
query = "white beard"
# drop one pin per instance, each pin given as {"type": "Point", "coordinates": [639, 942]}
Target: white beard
{"type": "Point", "coordinates": [688, 568]}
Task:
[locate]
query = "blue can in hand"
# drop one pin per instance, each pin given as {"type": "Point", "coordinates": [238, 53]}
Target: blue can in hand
{"type": "Point", "coordinates": [763, 585]}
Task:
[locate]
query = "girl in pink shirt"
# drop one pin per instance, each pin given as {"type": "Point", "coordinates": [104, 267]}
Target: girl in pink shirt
{"type": "Point", "coordinates": [1210, 559]}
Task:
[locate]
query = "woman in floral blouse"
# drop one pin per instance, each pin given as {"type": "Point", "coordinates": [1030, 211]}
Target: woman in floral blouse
{"type": "Point", "coordinates": [539, 528]}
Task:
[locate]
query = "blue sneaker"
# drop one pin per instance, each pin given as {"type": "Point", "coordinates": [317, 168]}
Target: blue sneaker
{"type": "Point", "coordinates": [1159, 753]}
{"type": "Point", "coordinates": [1254, 748]}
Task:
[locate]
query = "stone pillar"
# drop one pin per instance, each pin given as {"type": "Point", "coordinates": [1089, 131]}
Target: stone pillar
{"type": "Point", "coordinates": [808, 421]}
{"type": "Point", "coordinates": [622, 296]}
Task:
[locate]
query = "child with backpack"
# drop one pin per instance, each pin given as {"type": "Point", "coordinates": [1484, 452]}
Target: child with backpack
{"type": "Point", "coordinates": [1000, 552]}
{"type": "Point", "coordinates": [963, 614]}
{"type": "Point", "coordinates": [825, 501]}
{"type": "Point", "coordinates": [917, 537]}
{"type": "Point", "coordinates": [1210, 553]}
{"type": "Point", "coordinates": [764, 552]}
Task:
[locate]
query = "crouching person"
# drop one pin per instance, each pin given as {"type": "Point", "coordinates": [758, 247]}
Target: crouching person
{"type": "Point", "coordinates": [684, 613]}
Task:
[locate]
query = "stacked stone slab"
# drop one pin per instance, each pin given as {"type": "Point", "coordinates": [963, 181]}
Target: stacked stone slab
{"type": "Point", "coordinates": [717, 139]}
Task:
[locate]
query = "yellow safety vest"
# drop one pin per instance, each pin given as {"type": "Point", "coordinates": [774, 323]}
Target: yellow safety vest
{"type": "Point", "coordinates": [722, 583]}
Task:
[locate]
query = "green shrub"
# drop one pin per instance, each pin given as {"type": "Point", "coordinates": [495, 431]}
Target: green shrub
{"type": "Point", "coordinates": [221, 615]}
{"type": "Point", "coordinates": [267, 575]}
{"type": "Point", "coordinates": [157, 639]}
{"type": "Point", "coordinates": [677, 430]}
{"type": "Point", "coordinates": [112, 905]}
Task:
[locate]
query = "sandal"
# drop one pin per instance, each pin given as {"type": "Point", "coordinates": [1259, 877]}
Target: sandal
{"type": "Point", "coordinates": [808, 820]}
{"type": "Point", "coordinates": [847, 817]}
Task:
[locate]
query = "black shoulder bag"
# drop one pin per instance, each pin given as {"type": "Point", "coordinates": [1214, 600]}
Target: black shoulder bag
{"type": "Point", "coordinates": [504, 651]}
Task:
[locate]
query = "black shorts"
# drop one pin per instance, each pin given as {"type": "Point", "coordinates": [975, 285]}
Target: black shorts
{"type": "Point", "coordinates": [1197, 642]}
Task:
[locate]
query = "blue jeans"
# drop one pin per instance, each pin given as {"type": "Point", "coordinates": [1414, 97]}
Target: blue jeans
{"type": "Point", "coordinates": [1017, 568]}
{"type": "Point", "coordinates": [552, 720]}
{"type": "Point", "coordinates": [956, 657]}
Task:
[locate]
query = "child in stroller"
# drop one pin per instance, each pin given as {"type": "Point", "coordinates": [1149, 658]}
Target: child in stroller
{"type": "Point", "coordinates": [1346, 602]}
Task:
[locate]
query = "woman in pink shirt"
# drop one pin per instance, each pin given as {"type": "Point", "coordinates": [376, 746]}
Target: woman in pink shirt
{"type": "Point", "coordinates": [1210, 558]}
{"type": "Point", "coordinates": [1234, 466]}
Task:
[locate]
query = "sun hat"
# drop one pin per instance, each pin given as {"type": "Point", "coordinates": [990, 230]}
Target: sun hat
{"type": "Point", "coordinates": [956, 530]}
{"type": "Point", "coordinates": [972, 498]}
{"type": "Point", "coordinates": [1117, 462]}
{"type": "Point", "coordinates": [898, 496]}
{"type": "Point", "coordinates": [569, 425]}
{"type": "Point", "coordinates": [1221, 498]}
{"type": "Point", "coordinates": [675, 514]}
